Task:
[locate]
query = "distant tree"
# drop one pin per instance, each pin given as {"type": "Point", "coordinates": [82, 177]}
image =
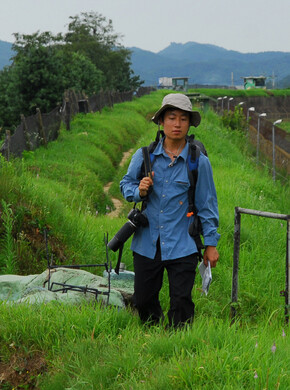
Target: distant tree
{"type": "Point", "coordinates": [119, 75]}
{"type": "Point", "coordinates": [41, 71]}
{"type": "Point", "coordinates": [36, 75]}
{"type": "Point", "coordinates": [81, 74]}
{"type": "Point", "coordinates": [91, 28]}
{"type": "Point", "coordinates": [25, 42]}
{"type": "Point", "coordinates": [86, 58]}
{"type": "Point", "coordinates": [5, 112]}
{"type": "Point", "coordinates": [92, 35]}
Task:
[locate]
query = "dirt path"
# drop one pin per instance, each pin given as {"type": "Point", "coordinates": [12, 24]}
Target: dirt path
{"type": "Point", "coordinates": [117, 203]}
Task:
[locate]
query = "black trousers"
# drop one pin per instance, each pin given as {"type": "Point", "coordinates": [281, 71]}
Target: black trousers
{"type": "Point", "coordinates": [148, 283]}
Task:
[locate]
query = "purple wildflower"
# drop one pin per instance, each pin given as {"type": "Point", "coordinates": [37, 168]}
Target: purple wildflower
{"type": "Point", "coordinates": [273, 349]}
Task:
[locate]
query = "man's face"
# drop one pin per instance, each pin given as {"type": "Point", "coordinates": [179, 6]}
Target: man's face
{"type": "Point", "coordinates": [175, 124]}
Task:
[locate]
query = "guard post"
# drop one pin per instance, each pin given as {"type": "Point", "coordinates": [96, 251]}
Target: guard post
{"type": "Point", "coordinates": [237, 231]}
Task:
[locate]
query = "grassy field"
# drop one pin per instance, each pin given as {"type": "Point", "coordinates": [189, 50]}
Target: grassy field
{"type": "Point", "coordinates": [285, 125]}
{"type": "Point", "coordinates": [216, 92]}
{"type": "Point", "coordinates": [67, 347]}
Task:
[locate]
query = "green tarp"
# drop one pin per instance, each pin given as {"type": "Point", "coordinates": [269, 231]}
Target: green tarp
{"type": "Point", "coordinates": [34, 288]}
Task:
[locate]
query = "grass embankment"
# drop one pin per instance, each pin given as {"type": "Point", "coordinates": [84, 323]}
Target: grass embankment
{"type": "Point", "coordinates": [87, 348]}
{"type": "Point", "coordinates": [217, 92]}
{"type": "Point", "coordinates": [285, 125]}
{"type": "Point", "coordinates": [62, 186]}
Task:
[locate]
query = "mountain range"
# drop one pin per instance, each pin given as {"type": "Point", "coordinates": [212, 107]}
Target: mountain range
{"type": "Point", "coordinates": [5, 53]}
{"type": "Point", "coordinates": [208, 64]}
{"type": "Point", "coordinates": [201, 63]}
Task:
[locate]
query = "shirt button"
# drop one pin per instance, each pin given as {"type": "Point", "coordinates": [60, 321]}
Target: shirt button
{"type": "Point", "coordinates": [161, 227]}
{"type": "Point", "coordinates": [162, 243]}
{"type": "Point", "coordinates": [161, 211]}
{"type": "Point", "coordinates": [163, 196]}
{"type": "Point", "coordinates": [166, 181]}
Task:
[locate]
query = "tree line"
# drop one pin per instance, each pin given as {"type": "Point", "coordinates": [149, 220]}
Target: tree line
{"type": "Point", "coordinates": [87, 58]}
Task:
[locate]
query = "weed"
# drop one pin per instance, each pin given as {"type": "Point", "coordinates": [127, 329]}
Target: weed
{"type": "Point", "coordinates": [234, 120]}
{"type": "Point", "coordinates": [8, 264]}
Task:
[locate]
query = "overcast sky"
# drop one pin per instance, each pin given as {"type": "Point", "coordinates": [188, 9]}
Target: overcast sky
{"type": "Point", "coordinates": [242, 25]}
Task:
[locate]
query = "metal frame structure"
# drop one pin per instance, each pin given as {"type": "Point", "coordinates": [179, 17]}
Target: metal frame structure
{"type": "Point", "coordinates": [251, 82]}
{"type": "Point", "coordinates": [285, 293]}
{"type": "Point", "coordinates": [64, 287]}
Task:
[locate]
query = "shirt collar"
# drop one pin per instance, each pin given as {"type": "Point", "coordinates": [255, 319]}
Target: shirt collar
{"type": "Point", "coordinates": [159, 150]}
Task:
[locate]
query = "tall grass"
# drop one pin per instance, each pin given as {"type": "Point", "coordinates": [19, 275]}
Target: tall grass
{"type": "Point", "coordinates": [7, 247]}
{"type": "Point", "coordinates": [65, 181]}
{"type": "Point", "coordinates": [102, 348]}
{"type": "Point", "coordinates": [285, 125]}
{"type": "Point", "coordinates": [89, 348]}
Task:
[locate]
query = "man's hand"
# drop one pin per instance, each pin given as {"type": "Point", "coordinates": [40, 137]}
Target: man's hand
{"type": "Point", "coordinates": [211, 254]}
{"type": "Point", "coordinates": [144, 185]}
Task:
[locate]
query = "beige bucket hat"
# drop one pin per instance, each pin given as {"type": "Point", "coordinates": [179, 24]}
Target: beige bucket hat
{"type": "Point", "coordinates": [180, 101]}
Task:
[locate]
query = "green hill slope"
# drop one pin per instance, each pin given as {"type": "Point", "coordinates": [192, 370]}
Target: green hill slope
{"type": "Point", "coordinates": [61, 187]}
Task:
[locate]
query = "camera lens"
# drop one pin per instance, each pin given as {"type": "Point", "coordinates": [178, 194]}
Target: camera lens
{"type": "Point", "coordinates": [122, 235]}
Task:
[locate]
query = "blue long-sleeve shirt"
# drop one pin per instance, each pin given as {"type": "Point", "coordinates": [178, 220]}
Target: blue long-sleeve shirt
{"type": "Point", "coordinates": [167, 206]}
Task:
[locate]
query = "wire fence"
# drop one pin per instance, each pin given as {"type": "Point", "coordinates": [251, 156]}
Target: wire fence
{"type": "Point", "coordinates": [41, 128]}
{"type": "Point", "coordinates": [270, 141]}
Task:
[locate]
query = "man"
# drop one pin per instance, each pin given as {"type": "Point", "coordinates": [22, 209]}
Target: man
{"type": "Point", "coordinates": [166, 243]}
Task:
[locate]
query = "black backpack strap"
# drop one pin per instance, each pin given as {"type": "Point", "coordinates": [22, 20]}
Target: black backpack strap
{"type": "Point", "coordinates": [195, 231]}
{"type": "Point", "coordinates": [194, 153]}
{"type": "Point", "coordinates": [195, 228]}
{"type": "Point", "coordinates": [159, 134]}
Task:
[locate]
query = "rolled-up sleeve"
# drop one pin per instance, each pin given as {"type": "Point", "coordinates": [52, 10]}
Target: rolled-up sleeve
{"type": "Point", "coordinates": [129, 185]}
{"type": "Point", "coordinates": [206, 202]}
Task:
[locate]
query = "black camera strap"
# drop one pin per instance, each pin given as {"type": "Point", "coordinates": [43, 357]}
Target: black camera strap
{"type": "Point", "coordinates": [117, 268]}
{"type": "Point", "coordinates": [147, 162]}
{"type": "Point", "coordinates": [148, 172]}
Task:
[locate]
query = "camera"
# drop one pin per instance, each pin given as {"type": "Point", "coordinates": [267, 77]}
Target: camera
{"type": "Point", "coordinates": [136, 218]}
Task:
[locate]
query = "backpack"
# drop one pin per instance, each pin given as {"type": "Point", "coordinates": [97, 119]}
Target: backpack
{"type": "Point", "coordinates": [195, 147]}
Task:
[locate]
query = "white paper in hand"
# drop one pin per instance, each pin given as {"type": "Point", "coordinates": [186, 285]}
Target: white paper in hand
{"type": "Point", "coordinates": [206, 276]}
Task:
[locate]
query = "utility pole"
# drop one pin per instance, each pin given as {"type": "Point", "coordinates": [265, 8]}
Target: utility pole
{"type": "Point", "coordinates": [273, 77]}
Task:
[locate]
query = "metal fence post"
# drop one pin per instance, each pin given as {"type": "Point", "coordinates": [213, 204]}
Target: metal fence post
{"type": "Point", "coordinates": [263, 115]}
{"type": "Point", "coordinates": [40, 127]}
{"type": "Point", "coordinates": [237, 231]}
{"type": "Point", "coordinates": [273, 145]}
{"type": "Point", "coordinates": [285, 293]}
{"type": "Point", "coordinates": [287, 287]}
{"type": "Point", "coordinates": [25, 132]}
{"type": "Point", "coordinates": [258, 140]}
{"type": "Point", "coordinates": [67, 114]}
{"type": "Point", "coordinates": [8, 137]}
{"type": "Point", "coordinates": [278, 121]}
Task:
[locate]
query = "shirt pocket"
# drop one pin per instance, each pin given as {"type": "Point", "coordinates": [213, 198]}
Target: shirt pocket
{"type": "Point", "coordinates": [180, 186]}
